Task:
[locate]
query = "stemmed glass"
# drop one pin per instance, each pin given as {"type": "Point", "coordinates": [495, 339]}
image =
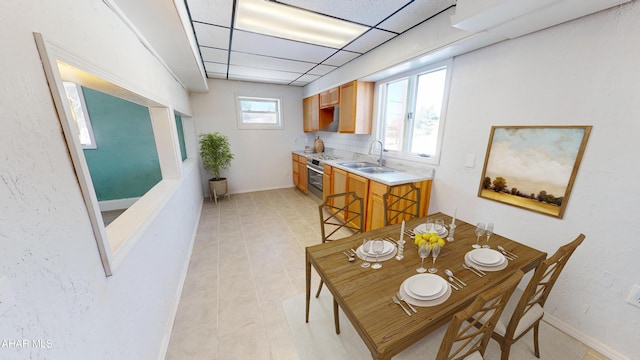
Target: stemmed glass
{"type": "Point", "coordinates": [439, 226]}
{"type": "Point", "coordinates": [479, 232]}
{"type": "Point", "coordinates": [377, 247]}
{"type": "Point", "coordinates": [429, 226]}
{"type": "Point", "coordinates": [435, 251]}
{"type": "Point", "coordinates": [423, 251]}
{"type": "Point", "coordinates": [366, 247]}
{"type": "Point", "coordinates": [489, 232]}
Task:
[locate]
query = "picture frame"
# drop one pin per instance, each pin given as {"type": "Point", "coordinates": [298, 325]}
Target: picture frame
{"type": "Point", "coordinates": [533, 167]}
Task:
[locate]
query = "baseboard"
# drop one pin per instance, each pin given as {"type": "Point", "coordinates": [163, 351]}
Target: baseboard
{"type": "Point", "coordinates": [584, 338]}
{"type": "Point", "coordinates": [117, 204]}
{"type": "Point", "coordinates": [164, 346]}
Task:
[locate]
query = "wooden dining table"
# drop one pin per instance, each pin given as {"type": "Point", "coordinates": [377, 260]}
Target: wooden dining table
{"type": "Point", "coordinates": [364, 294]}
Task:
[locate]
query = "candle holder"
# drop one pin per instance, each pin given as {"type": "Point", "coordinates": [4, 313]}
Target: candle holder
{"type": "Point", "coordinates": [452, 230]}
{"type": "Point", "coordinates": [400, 253]}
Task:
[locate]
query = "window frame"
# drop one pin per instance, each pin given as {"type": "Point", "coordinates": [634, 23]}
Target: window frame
{"type": "Point", "coordinates": [412, 76]}
{"type": "Point", "coordinates": [279, 125]}
{"type": "Point", "coordinates": [85, 115]}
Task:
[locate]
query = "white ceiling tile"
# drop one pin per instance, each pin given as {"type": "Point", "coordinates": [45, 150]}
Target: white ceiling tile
{"type": "Point", "coordinates": [360, 11]}
{"type": "Point", "coordinates": [236, 70]}
{"type": "Point", "coordinates": [217, 12]}
{"type": "Point", "coordinates": [215, 67]}
{"type": "Point", "coordinates": [216, 75]}
{"type": "Point", "coordinates": [307, 78]}
{"type": "Point", "coordinates": [213, 36]}
{"type": "Point", "coordinates": [414, 14]}
{"type": "Point", "coordinates": [341, 58]}
{"type": "Point", "coordinates": [322, 69]}
{"type": "Point", "coordinates": [298, 83]}
{"type": "Point", "coordinates": [270, 46]}
{"type": "Point", "coordinates": [214, 55]}
{"type": "Point", "coordinates": [259, 79]}
{"type": "Point", "coordinates": [267, 62]}
{"type": "Point", "coordinates": [369, 40]}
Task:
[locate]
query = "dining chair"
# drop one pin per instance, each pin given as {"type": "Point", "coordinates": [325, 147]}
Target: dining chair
{"type": "Point", "coordinates": [525, 311]}
{"type": "Point", "coordinates": [401, 202]}
{"type": "Point", "coordinates": [466, 338]}
{"type": "Point", "coordinates": [340, 215]}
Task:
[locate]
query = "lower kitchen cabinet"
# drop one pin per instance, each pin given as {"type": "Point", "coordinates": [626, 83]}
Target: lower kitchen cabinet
{"type": "Point", "coordinates": [375, 201]}
{"type": "Point", "coordinates": [326, 182]}
{"type": "Point", "coordinates": [338, 186]}
{"type": "Point", "coordinates": [299, 172]}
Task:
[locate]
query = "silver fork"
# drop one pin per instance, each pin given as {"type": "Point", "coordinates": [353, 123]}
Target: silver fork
{"type": "Point", "coordinates": [406, 302]}
{"type": "Point", "coordinates": [395, 300]}
{"type": "Point", "coordinates": [473, 270]}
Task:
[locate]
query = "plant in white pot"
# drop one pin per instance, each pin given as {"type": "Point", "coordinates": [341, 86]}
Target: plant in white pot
{"type": "Point", "coordinates": [216, 156]}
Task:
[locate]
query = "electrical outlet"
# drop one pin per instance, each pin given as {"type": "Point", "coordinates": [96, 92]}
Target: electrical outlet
{"type": "Point", "coordinates": [471, 161]}
{"type": "Point", "coordinates": [7, 298]}
{"type": "Point", "coordinates": [634, 296]}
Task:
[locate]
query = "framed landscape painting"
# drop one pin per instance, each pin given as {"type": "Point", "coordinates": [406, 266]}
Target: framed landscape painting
{"type": "Point", "coordinates": [533, 167]}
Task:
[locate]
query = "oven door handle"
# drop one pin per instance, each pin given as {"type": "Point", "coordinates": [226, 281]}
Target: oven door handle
{"type": "Point", "coordinates": [315, 170]}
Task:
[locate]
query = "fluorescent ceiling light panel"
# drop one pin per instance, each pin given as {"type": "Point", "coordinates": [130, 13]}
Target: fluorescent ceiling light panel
{"type": "Point", "coordinates": [287, 22]}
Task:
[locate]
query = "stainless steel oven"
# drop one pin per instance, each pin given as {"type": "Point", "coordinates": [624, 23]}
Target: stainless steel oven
{"type": "Point", "coordinates": [315, 170]}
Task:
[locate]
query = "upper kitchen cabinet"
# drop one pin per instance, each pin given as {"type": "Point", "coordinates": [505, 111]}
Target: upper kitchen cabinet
{"type": "Point", "coordinates": [356, 107]}
{"type": "Point", "coordinates": [312, 116]}
{"type": "Point", "coordinates": [330, 98]}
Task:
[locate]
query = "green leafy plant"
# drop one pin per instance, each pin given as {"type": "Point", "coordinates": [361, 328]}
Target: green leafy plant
{"type": "Point", "coordinates": [215, 152]}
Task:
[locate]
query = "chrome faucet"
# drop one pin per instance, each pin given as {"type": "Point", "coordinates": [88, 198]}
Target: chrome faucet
{"type": "Point", "coordinates": [380, 160]}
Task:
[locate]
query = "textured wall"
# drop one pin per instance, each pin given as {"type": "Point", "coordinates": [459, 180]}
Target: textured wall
{"type": "Point", "coordinates": [48, 251]}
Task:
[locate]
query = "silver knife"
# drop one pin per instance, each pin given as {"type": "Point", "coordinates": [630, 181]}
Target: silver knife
{"type": "Point", "coordinates": [395, 300]}
{"type": "Point", "coordinates": [406, 302]}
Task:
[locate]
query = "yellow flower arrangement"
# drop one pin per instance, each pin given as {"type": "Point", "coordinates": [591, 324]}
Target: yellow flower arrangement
{"type": "Point", "coordinates": [432, 239]}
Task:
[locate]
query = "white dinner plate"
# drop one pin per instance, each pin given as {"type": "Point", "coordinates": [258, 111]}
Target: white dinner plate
{"type": "Point", "coordinates": [388, 249]}
{"type": "Point", "coordinates": [469, 261]}
{"type": "Point", "coordinates": [372, 258]}
{"type": "Point", "coordinates": [425, 286]}
{"type": "Point", "coordinates": [422, 229]}
{"type": "Point", "coordinates": [487, 257]}
{"type": "Point", "coordinates": [417, 302]}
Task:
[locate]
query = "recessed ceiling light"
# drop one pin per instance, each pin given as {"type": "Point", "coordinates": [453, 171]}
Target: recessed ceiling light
{"type": "Point", "coordinates": [292, 23]}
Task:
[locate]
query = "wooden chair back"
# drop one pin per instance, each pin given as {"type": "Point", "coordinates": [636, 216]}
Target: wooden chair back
{"type": "Point", "coordinates": [401, 202]}
{"type": "Point", "coordinates": [346, 214]}
{"type": "Point", "coordinates": [471, 328]}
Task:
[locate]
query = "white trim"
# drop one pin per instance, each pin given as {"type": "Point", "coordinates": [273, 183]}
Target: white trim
{"type": "Point", "coordinates": [279, 125]}
{"type": "Point", "coordinates": [117, 204]}
{"type": "Point", "coordinates": [584, 338]}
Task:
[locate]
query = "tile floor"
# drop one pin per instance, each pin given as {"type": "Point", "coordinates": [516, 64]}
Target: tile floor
{"type": "Point", "coordinates": [248, 257]}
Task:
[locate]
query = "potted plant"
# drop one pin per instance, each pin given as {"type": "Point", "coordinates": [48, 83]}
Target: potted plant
{"type": "Point", "coordinates": [216, 155]}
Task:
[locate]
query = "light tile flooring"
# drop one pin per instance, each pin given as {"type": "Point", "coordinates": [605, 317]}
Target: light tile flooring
{"type": "Point", "coordinates": [248, 258]}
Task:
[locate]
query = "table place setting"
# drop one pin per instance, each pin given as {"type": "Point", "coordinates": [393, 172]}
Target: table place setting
{"type": "Point", "coordinates": [376, 250]}
{"type": "Point", "coordinates": [486, 259]}
{"type": "Point", "coordinates": [425, 290]}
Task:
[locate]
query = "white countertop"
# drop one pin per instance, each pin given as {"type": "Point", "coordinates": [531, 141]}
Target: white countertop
{"type": "Point", "coordinates": [390, 178]}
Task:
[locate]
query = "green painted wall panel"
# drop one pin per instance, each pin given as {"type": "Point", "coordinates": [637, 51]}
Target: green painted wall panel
{"type": "Point", "coordinates": [183, 147]}
{"type": "Point", "coordinates": [125, 164]}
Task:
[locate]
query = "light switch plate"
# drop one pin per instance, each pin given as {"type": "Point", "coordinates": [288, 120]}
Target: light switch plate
{"type": "Point", "coordinates": [634, 296]}
{"type": "Point", "coordinates": [7, 298]}
{"type": "Point", "coordinates": [471, 161]}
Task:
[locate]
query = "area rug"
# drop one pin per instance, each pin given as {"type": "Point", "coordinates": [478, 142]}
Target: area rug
{"type": "Point", "coordinates": [317, 339]}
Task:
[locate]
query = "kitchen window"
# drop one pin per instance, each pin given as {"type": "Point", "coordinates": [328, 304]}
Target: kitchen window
{"type": "Point", "coordinates": [80, 114]}
{"type": "Point", "coordinates": [413, 111]}
{"type": "Point", "coordinates": [259, 113]}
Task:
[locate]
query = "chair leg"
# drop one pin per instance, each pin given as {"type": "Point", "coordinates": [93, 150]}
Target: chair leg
{"type": "Point", "coordinates": [319, 288]}
{"type": "Point", "coordinates": [505, 348]}
{"type": "Point", "coordinates": [336, 316]}
{"type": "Point", "coordinates": [535, 340]}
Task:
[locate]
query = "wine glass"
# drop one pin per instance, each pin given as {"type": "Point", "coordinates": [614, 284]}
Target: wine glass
{"type": "Point", "coordinates": [489, 232]}
{"type": "Point", "coordinates": [479, 232]}
{"type": "Point", "coordinates": [439, 226]}
{"type": "Point", "coordinates": [435, 251]}
{"type": "Point", "coordinates": [377, 247]}
{"type": "Point", "coordinates": [423, 251]}
{"type": "Point", "coordinates": [366, 247]}
{"type": "Point", "coordinates": [429, 225]}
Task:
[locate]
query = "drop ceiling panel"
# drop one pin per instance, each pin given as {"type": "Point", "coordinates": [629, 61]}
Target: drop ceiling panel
{"type": "Point", "coordinates": [262, 73]}
{"type": "Point", "coordinates": [217, 12]}
{"type": "Point", "coordinates": [322, 69]}
{"type": "Point", "coordinates": [259, 79]}
{"type": "Point", "coordinates": [212, 36]}
{"type": "Point", "coordinates": [341, 58]}
{"type": "Point", "coordinates": [414, 14]}
{"type": "Point", "coordinates": [214, 55]}
{"type": "Point", "coordinates": [362, 12]}
{"type": "Point", "coordinates": [369, 40]}
{"type": "Point", "coordinates": [269, 63]}
{"type": "Point", "coordinates": [270, 46]}
{"type": "Point", "coordinates": [216, 67]}
{"type": "Point", "coordinates": [307, 78]}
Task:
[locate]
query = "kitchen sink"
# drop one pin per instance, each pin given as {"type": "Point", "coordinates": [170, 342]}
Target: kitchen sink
{"type": "Point", "coordinates": [376, 170]}
{"type": "Point", "coordinates": [358, 165]}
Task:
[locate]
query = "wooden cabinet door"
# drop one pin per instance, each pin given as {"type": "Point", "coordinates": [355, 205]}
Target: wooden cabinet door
{"type": "Point", "coordinates": [302, 173]}
{"type": "Point", "coordinates": [348, 108]}
{"type": "Point", "coordinates": [330, 98]}
{"type": "Point", "coordinates": [326, 182]}
{"type": "Point", "coordinates": [339, 185]}
{"type": "Point", "coordinates": [375, 205]}
{"type": "Point", "coordinates": [310, 113]}
{"type": "Point", "coordinates": [360, 186]}
{"type": "Point", "coordinates": [356, 107]}
{"type": "Point", "coordinates": [294, 158]}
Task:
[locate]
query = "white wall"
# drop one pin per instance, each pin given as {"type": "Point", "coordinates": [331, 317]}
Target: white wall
{"type": "Point", "coordinates": [585, 73]}
{"type": "Point", "coordinates": [48, 251]}
{"type": "Point", "coordinates": [262, 157]}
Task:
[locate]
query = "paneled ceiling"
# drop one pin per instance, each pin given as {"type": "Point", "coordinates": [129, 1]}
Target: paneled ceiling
{"type": "Point", "coordinates": [228, 52]}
